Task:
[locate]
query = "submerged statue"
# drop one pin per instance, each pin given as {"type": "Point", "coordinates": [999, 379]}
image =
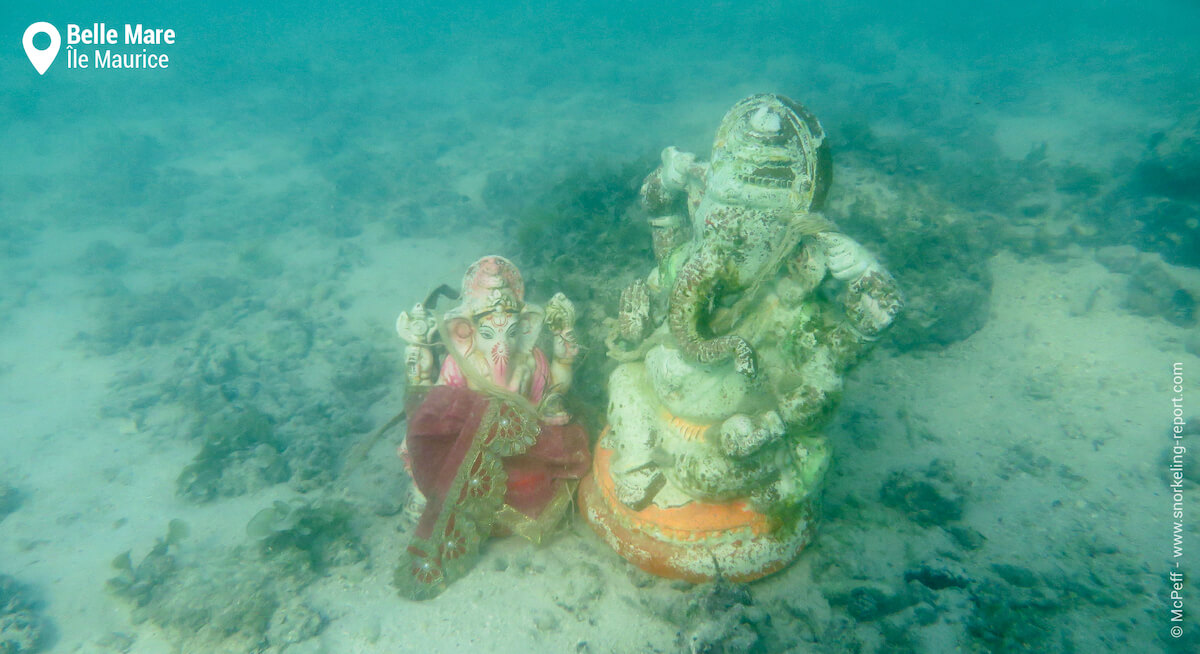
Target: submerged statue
{"type": "Point", "coordinates": [733, 353]}
{"type": "Point", "coordinates": [489, 444]}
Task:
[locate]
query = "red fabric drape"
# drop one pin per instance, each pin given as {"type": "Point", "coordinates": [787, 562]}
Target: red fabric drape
{"type": "Point", "coordinates": [441, 432]}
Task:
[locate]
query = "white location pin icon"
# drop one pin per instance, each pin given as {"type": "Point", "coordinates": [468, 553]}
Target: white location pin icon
{"type": "Point", "coordinates": [41, 59]}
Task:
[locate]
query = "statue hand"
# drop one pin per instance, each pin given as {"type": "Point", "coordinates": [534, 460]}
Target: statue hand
{"type": "Point", "coordinates": [846, 258]}
{"type": "Point", "coordinates": [742, 435]}
{"type": "Point", "coordinates": [416, 327]}
{"type": "Point", "coordinates": [521, 375]}
{"type": "Point", "coordinates": [806, 405]}
{"type": "Point", "coordinates": [873, 302]}
{"type": "Point", "coordinates": [418, 365]}
{"type": "Point", "coordinates": [553, 411]}
{"type": "Point", "coordinates": [560, 314]}
{"type": "Point", "coordinates": [566, 347]}
{"type": "Point", "coordinates": [676, 166]}
{"type": "Point", "coordinates": [633, 317]}
{"type": "Point", "coordinates": [560, 318]}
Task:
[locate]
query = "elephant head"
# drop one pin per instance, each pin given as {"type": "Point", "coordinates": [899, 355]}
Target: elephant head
{"type": "Point", "coordinates": [494, 331]}
{"type": "Point", "coordinates": [770, 170]}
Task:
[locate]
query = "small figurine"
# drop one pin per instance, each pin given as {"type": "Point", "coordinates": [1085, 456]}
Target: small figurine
{"type": "Point", "coordinates": [490, 445]}
{"type": "Point", "coordinates": [713, 458]}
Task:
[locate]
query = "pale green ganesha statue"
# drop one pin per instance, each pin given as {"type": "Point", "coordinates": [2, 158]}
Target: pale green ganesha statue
{"type": "Point", "coordinates": [733, 353]}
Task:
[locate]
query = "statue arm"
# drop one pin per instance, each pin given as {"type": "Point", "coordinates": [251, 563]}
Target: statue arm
{"type": "Point", "coordinates": [805, 272]}
{"type": "Point", "coordinates": [560, 318]}
{"type": "Point", "coordinates": [872, 299]}
{"type": "Point", "coordinates": [418, 330]}
{"type": "Point", "coordinates": [668, 195]}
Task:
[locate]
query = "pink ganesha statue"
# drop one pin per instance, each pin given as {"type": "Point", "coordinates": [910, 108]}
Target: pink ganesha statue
{"type": "Point", "coordinates": [489, 444]}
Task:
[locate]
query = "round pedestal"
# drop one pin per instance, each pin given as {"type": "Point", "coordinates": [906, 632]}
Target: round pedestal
{"type": "Point", "coordinates": [696, 542]}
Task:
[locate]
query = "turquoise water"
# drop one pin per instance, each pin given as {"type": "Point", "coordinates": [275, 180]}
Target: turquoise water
{"type": "Point", "coordinates": [202, 264]}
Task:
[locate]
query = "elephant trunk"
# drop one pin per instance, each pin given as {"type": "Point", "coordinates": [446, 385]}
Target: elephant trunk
{"type": "Point", "coordinates": [694, 286]}
{"type": "Point", "coordinates": [499, 357]}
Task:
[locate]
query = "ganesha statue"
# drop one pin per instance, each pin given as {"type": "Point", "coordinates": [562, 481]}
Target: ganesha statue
{"type": "Point", "coordinates": [733, 351]}
{"type": "Point", "coordinates": [490, 445]}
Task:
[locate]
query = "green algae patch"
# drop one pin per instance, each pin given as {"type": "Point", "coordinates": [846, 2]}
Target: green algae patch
{"type": "Point", "coordinates": [240, 453]}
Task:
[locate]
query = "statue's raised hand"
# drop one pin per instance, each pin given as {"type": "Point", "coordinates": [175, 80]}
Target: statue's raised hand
{"type": "Point", "coordinates": [846, 258]}
{"type": "Point", "coordinates": [416, 327]}
{"type": "Point", "coordinates": [560, 319]}
{"type": "Point", "coordinates": [676, 166]}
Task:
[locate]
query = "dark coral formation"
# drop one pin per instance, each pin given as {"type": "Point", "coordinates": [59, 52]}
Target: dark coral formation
{"type": "Point", "coordinates": [319, 533]}
{"type": "Point", "coordinates": [243, 357]}
{"type": "Point", "coordinates": [240, 453]}
{"type": "Point", "coordinates": [719, 617]}
{"type": "Point", "coordinates": [928, 497]}
{"type": "Point", "coordinates": [23, 628]}
{"type": "Point", "coordinates": [247, 598]}
{"type": "Point", "coordinates": [1167, 216]}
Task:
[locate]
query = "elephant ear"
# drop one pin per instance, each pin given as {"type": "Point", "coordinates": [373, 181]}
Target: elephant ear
{"type": "Point", "coordinates": [462, 334]}
{"type": "Point", "coordinates": [531, 320]}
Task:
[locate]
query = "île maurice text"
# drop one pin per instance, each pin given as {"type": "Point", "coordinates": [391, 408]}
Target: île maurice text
{"type": "Point", "coordinates": [134, 35]}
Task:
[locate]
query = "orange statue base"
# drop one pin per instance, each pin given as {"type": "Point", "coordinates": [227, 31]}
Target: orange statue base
{"type": "Point", "coordinates": [696, 542]}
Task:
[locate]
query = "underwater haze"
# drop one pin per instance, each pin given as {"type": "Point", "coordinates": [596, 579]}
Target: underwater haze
{"type": "Point", "coordinates": [201, 265]}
